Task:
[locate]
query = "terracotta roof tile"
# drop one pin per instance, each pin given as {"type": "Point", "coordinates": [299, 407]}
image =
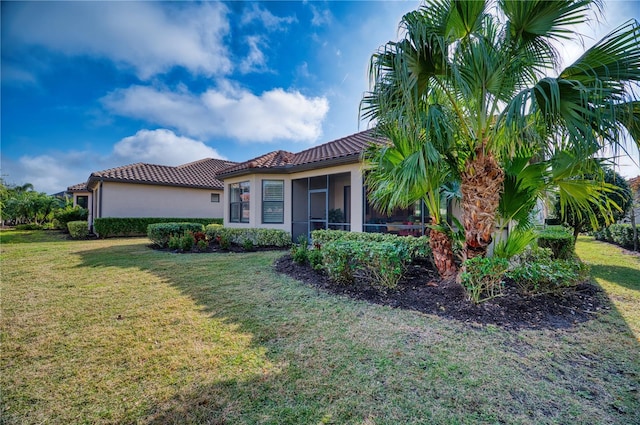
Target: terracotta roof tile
{"type": "Point", "coordinates": [200, 173]}
{"type": "Point", "coordinates": [80, 187]}
{"type": "Point", "coordinates": [349, 147]}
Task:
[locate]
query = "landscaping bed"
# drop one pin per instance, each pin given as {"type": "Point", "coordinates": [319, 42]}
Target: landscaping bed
{"type": "Point", "coordinates": [421, 290]}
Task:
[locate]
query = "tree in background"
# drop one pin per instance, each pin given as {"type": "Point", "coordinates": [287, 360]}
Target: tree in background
{"type": "Point", "coordinates": [23, 205]}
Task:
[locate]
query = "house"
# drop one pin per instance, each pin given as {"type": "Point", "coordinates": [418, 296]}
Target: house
{"type": "Point", "coordinates": [148, 190]}
{"type": "Point", "coordinates": [81, 196]}
{"type": "Point", "coordinates": [318, 188]}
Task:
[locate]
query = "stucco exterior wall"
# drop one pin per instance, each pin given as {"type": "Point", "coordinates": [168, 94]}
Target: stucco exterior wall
{"type": "Point", "coordinates": [140, 200]}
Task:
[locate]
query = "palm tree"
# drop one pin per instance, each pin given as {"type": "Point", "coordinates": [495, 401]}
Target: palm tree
{"type": "Point", "coordinates": [414, 166]}
{"type": "Point", "coordinates": [485, 64]}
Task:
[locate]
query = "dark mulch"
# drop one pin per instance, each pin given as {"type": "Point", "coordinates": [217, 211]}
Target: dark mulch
{"type": "Point", "coordinates": [422, 290]}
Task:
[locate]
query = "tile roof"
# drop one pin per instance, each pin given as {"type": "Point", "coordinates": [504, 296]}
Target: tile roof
{"type": "Point", "coordinates": [200, 174]}
{"type": "Point", "coordinates": [345, 149]}
{"type": "Point", "coordinates": [80, 187]}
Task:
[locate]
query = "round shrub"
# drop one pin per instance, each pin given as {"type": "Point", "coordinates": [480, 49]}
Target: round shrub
{"type": "Point", "coordinates": [78, 229]}
{"type": "Point", "coordinates": [160, 233]}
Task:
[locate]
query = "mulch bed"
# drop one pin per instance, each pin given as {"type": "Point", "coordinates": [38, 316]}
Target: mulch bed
{"type": "Point", "coordinates": [422, 290]}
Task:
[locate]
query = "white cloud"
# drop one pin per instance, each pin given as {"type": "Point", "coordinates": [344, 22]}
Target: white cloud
{"type": "Point", "coordinates": [320, 17]}
{"type": "Point", "coordinates": [50, 173]}
{"type": "Point", "coordinates": [268, 19]}
{"type": "Point", "coordinates": [227, 110]}
{"type": "Point", "coordinates": [163, 147]}
{"type": "Point", "coordinates": [255, 60]}
{"type": "Point", "coordinates": [149, 37]}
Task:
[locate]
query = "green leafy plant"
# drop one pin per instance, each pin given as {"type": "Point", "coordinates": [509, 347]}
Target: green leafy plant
{"type": "Point", "coordinates": [202, 245]}
{"type": "Point", "coordinates": [224, 241]}
{"type": "Point", "coordinates": [160, 233]}
{"type": "Point", "coordinates": [67, 214]}
{"type": "Point", "coordinates": [300, 252]}
{"type": "Point", "coordinates": [548, 275]}
{"type": "Point", "coordinates": [267, 238]}
{"type": "Point", "coordinates": [78, 229]}
{"type": "Point", "coordinates": [482, 277]}
{"type": "Point", "coordinates": [187, 241]}
{"type": "Point", "coordinates": [315, 259]}
{"type": "Point", "coordinates": [174, 242]}
{"type": "Point", "coordinates": [248, 245]}
{"type": "Point", "coordinates": [137, 226]}
{"type": "Point", "coordinates": [559, 240]}
{"type": "Point", "coordinates": [516, 243]}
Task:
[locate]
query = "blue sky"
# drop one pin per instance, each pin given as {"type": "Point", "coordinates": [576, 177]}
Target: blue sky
{"type": "Point", "coordinates": [93, 85]}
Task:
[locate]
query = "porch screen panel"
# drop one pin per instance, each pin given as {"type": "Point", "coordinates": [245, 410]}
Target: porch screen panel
{"type": "Point", "coordinates": [273, 201]}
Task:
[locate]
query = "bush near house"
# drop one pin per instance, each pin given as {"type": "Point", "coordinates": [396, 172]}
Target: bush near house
{"type": "Point", "coordinates": [137, 226]}
{"type": "Point", "coordinates": [560, 241]}
{"type": "Point", "coordinates": [162, 233]}
{"type": "Point", "coordinates": [78, 229]}
{"type": "Point", "coordinates": [619, 234]}
{"type": "Point", "coordinates": [68, 214]}
{"type": "Point", "coordinates": [418, 247]}
{"type": "Point", "coordinates": [249, 238]}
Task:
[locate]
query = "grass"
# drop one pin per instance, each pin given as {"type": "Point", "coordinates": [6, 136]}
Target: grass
{"type": "Point", "coordinates": [109, 331]}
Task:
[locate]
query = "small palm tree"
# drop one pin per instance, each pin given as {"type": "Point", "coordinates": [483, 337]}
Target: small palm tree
{"type": "Point", "coordinates": [486, 63]}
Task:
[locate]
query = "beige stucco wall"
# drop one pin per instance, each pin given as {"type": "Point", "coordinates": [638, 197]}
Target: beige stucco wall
{"type": "Point", "coordinates": [255, 205]}
{"type": "Point", "coordinates": [140, 200]}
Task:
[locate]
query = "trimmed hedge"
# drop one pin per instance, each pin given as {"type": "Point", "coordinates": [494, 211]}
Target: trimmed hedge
{"type": "Point", "coordinates": [418, 247]}
{"type": "Point", "coordinates": [78, 229]}
{"type": "Point", "coordinates": [248, 237]}
{"type": "Point", "coordinates": [619, 234]}
{"type": "Point", "coordinates": [560, 242]}
{"type": "Point", "coordinates": [161, 233]}
{"type": "Point", "coordinates": [137, 226]}
{"type": "Point", "coordinates": [382, 264]}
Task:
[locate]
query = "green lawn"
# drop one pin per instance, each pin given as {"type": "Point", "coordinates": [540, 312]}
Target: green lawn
{"type": "Point", "coordinates": [109, 331]}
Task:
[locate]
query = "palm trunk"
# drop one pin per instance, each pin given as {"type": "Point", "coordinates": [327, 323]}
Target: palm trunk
{"type": "Point", "coordinates": [481, 187]}
{"type": "Point", "coordinates": [442, 250]}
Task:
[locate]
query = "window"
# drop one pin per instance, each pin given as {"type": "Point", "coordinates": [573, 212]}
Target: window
{"type": "Point", "coordinates": [239, 202]}
{"type": "Point", "coordinates": [273, 201]}
{"type": "Point", "coordinates": [215, 197]}
{"type": "Point", "coordinates": [82, 201]}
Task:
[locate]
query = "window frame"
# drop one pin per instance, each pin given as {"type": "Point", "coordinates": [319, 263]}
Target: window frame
{"type": "Point", "coordinates": [240, 204]}
{"type": "Point", "coordinates": [215, 196]}
{"type": "Point", "coordinates": [279, 202]}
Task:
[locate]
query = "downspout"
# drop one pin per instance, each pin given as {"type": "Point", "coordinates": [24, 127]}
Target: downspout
{"type": "Point", "coordinates": [100, 199]}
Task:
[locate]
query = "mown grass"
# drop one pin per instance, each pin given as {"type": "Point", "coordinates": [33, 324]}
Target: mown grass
{"type": "Point", "coordinates": [113, 332]}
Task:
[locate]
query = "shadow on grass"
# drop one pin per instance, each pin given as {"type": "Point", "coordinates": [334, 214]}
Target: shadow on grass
{"type": "Point", "coordinates": [318, 381]}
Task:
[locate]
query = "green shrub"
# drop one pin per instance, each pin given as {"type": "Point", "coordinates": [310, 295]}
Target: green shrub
{"type": "Point", "coordinates": [315, 259]}
{"type": "Point", "coordinates": [418, 247]}
{"type": "Point", "coordinates": [548, 275]}
{"type": "Point", "coordinates": [248, 245]}
{"type": "Point", "coordinates": [137, 226]}
{"type": "Point", "coordinates": [202, 245]}
{"type": "Point", "coordinates": [482, 277]}
{"type": "Point", "coordinates": [560, 242]}
{"type": "Point", "coordinates": [381, 264]}
{"type": "Point", "coordinates": [78, 229]}
{"type": "Point", "coordinates": [224, 241]}
{"type": "Point", "coordinates": [265, 238]}
{"type": "Point", "coordinates": [187, 241]}
{"type": "Point", "coordinates": [338, 260]}
{"type": "Point", "coordinates": [30, 226]}
{"type": "Point", "coordinates": [67, 214]}
{"type": "Point", "coordinates": [619, 234]}
{"type": "Point", "coordinates": [174, 242]}
{"type": "Point", "coordinates": [300, 252]}
{"type": "Point", "coordinates": [160, 233]}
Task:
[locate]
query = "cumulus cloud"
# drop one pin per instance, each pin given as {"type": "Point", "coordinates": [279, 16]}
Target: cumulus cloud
{"type": "Point", "coordinates": [51, 173]}
{"type": "Point", "coordinates": [149, 37]}
{"type": "Point", "coordinates": [268, 19]}
{"type": "Point", "coordinates": [226, 110]}
{"type": "Point", "coordinates": [163, 147]}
